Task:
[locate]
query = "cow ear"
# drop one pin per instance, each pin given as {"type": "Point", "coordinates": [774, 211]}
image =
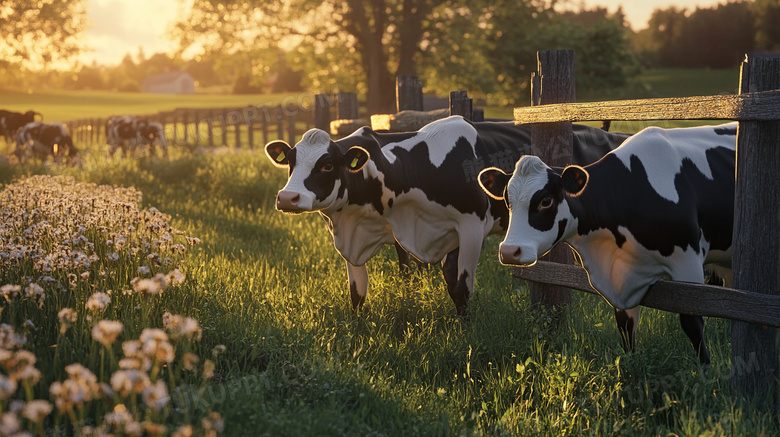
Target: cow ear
{"type": "Point", "coordinates": [493, 180]}
{"type": "Point", "coordinates": [574, 178]}
{"type": "Point", "coordinates": [278, 152]}
{"type": "Point", "coordinates": [355, 158]}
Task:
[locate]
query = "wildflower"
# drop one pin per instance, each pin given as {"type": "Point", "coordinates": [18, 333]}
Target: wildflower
{"type": "Point", "coordinates": [144, 270]}
{"type": "Point", "coordinates": [10, 339]}
{"type": "Point", "coordinates": [156, 396]}
{"type": "Point", "coordinates": [9, 423]}
{"type": "Point", "coordinates": [80, 387]}
{"type": "Point", "coordinates": [113, 256]}
{"type": "Point", "coordinates": [129, 364]}
{"type": "Point", "coordinates": [127, 382]}
{"type": "Point", "coordinates": [147, 286]}
{"type": "Point", "coordinates": [36, 292]}
{"type": "Point", "coordinates": [85, 275]}
{"type": "Point", "coordinates": [28, 324]}
{"type": "Point", "coordinates": [180, 326]}
{"type": "Point", "coordinates": [192, 240]}
{"type": "Point", "coordinates": [208, 369]}
{"type": "Point", "coordinates": [68, 317]}
{"type": "Point", "coordinates": [36, 410]}
{"type": "Point", "coordinates": [189, 361]}
{"type": "Point", "coordinates": [29, 373]}
{"type": "Point", "coordinates": [218, 349]}
{"type": "Point", "coordinates": [183, 431]}
{"type": "Point", "coordinates": [155, 345]}
{"type": "Point", "coordinates": [105, 332]}
{"type": "Point", "coordinates": [7, 387]}
{"type": "Point", "coordinates": [121, 420]}
{"type": "Point", "coordinates": [10, 291]}
{"type": "Point", "coordinates": [154, 429]}
{"type": "Point", "coordinates": [213, 423]}
{"type": "Point", "coordinates": [174, 277]}
{"type": "Point", "coordinates": [98, 301]}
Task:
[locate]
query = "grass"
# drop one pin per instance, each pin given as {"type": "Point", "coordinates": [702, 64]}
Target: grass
{"type": "Point", "coordinates": [298, 361]}
{"type": "Point", "coordinates": [60, 106]}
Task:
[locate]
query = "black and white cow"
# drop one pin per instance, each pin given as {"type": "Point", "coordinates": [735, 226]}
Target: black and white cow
{"type": "Point", "coordinates": [42, 140]}
{"type": "Point", "coordinates": [658, 207]}
{"type": "Point", "coordinates": [129, 133]}
{"type": "Point", "coordinates": [11, 122]}
{"type": "Point", "coordinates": [418, 188]}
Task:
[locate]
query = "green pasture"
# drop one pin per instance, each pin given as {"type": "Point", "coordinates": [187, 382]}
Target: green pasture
{"type": "Point", "coordinates": [299, 362]}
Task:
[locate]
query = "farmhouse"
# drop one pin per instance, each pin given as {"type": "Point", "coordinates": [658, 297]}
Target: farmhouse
{"type": "Point", "coordinates": [172, 82]}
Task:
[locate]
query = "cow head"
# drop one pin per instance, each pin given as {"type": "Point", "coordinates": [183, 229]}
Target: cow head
{"type": "Point", "coordinates": [317, 167]}
{"type": "Point", "coordinates": [536, 196]}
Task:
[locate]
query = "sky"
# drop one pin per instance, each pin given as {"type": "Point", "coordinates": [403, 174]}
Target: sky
{"type": "Point", "coordinates": [118, 27]}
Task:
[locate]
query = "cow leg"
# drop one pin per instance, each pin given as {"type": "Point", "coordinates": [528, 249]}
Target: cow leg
{"type": "Point", "coordinates": [403, 259]}
{"type": "Point", "coordinates": [627, 322]}
{"type": "Point", "coordinates": [357, 277]}
{"type": "Point", "coordinates": [468, 256]}
{"type": "Point", "coordinates": [693, 326]}
{"type": "Point", "coordinates": [449, 269]}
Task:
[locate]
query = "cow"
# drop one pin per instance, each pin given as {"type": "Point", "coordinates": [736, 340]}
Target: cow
{"type": "Point", "coordinates": [660, 206]}
{"type": "Point", "coordinates": [418, 189]}
{"type": "Point", "coordinates": [129, 133]}
{"type": "Point", "coordinates": [11, 122]}
{"type": "Point", "coordinates": [42, 140]}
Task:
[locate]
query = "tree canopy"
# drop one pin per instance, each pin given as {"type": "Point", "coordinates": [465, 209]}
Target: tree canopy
{"type": "Point", "coordinates": [35, 34]}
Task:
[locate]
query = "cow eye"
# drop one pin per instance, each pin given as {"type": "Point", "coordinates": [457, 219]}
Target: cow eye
{"type": "Point", "coordinates": [327, 168]}
{"type": "Point", "coordinates": [545, 203]}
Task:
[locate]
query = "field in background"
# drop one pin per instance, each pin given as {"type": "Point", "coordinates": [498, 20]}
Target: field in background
{"type": "Point", "coordinates": [299, 362]}
{"type": "Point", "coordinates": [71, 105]}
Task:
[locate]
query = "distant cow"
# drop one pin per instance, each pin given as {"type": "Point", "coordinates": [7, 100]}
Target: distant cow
{"type": "Point", "coordinates": [417, 188]}
{"type": "Point", "coordinates": [129, 133]}
{"type": "Point", "coordinates": [42, 140]}
{"type": "Point", "coordinates": [659, 207]}
{"type": "Point", "coordinates": [11, 122]}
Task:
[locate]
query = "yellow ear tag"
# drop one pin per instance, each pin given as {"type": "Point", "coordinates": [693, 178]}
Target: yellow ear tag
{"type": "Point", "coordinates": [280, 158]}
{"type": "Point", "coordinates": [354, 162]}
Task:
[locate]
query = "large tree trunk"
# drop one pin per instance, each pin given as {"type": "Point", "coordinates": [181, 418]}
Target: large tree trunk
{"type": "Point", "coordinates": [368, 27]}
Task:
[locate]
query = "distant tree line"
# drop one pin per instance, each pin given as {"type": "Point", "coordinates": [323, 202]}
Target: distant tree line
{"type": "Point", "coordinates": [717, 37]}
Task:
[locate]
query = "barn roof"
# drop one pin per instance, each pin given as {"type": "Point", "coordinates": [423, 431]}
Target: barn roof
{"type": "Point", "coordinates": [168, 77]}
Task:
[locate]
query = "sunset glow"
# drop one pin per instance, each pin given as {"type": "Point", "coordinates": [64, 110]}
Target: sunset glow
{"type": "Point", "coordinates": [118, 27]}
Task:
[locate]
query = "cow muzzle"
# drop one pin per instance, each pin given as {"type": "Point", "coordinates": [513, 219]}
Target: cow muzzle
{"type": "Point", "coordinates": [513, 255]}
{"type": "Point", "coordinates": [289, 201]}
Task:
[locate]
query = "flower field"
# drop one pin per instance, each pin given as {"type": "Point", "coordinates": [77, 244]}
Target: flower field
{"type": "Point", "coordinates": [168, 297]}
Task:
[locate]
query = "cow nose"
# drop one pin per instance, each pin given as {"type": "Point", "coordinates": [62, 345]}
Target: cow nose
{"type": "Point", "coordinates": [509, 254]}
{"type": "Point", "coordinates": [288, 201]}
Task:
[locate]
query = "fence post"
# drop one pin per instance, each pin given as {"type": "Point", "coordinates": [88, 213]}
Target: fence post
{"type": "Point", "coordinates": [346, 106]}
{"type": "Point", "coordinates": [280, 122]}
{"type": "Point", "coordinates": [185, 121]}
{"type": "Point", "coordinates": [461, 104]}
{"type": "Point", "coordinates": [237, 127]}
{"type": "Point", "coordinates": [321, 113]}
{"type": "Point", "coordinates": [196, 122]}
{"type": "Point", "coordinates": [250, 132]}
{"type": "Point", "coordinates": [553, 143]}
{"type": "Point", "coordinates": [408, 93]}
{"type": "Point", "coordinates": [266, 117]}
{"type": "Point", "coordinates": [756, 239]}
{"type": "Point", "coordinates": [223, 125]}
{"type": "Point", "coordinates": [210, 127]}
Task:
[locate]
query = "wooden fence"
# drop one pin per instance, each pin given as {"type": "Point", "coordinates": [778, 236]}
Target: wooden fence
{"type": "Point", "coordinates": [754, 302]}
{"type": "Point", "coordinates": [247, 126]}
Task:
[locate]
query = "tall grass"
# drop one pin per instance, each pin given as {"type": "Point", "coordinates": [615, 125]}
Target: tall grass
{"type": "Point", "coordinates": [297, 361]}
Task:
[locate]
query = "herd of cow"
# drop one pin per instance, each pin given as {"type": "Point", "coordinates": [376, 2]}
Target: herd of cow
{"type": "Point", "coordinates": [635, 209]}
{"type": "Point", "coordinates": [41, 140]}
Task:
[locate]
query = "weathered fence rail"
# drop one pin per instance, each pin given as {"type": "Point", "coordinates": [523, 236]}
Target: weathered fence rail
{"type": "Point", "coordinates": [754, 302]}
{"type": "Point", "coordinates": [250, 126]}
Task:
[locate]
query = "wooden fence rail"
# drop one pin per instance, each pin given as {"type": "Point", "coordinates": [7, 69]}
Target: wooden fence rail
{"type": "Point", "coordinates": [754, 303]}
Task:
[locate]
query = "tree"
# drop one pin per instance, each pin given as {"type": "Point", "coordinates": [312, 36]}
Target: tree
{"type": "Point", "coordinates": [35, 34]}
{"type": "Point", "coordinates": [383, 36]}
